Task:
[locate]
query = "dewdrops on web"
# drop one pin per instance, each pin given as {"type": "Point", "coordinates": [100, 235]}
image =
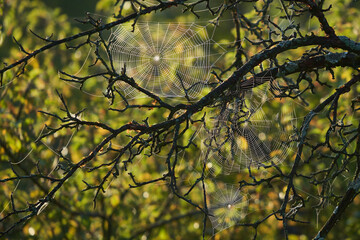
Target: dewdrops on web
{"type": "Point", "coordinates": [168, 59]}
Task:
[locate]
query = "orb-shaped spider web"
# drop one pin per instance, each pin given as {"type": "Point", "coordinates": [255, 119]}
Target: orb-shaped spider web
{"type": "Point", "coordinates": [227, 207]}
{"type": "Point", "coordinates": [242, 135]}
{"type": "Point", "coordinates": [168, 59]}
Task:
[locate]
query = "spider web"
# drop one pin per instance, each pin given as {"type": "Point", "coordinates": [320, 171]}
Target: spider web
{"type": "Point", "coordinates": [168, 59]}
{"type": "Point", "coordinates": [243, 136]}
{"type": "Point", "coordinates": [227, 207]}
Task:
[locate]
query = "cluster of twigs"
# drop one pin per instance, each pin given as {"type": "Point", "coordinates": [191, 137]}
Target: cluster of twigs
{"type": "Point", "coordinates": [167, 134]}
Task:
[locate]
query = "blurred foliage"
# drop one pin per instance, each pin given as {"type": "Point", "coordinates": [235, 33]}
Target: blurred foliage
{"type": "Point", "coordinates": [121, 212]}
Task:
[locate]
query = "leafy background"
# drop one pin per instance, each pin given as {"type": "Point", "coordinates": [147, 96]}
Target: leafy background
{"type": "Point", "coordinates": [149, 212]}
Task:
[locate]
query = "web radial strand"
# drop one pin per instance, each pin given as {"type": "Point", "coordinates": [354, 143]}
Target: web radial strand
{"type": "Point", "coordinates": [169, 59]}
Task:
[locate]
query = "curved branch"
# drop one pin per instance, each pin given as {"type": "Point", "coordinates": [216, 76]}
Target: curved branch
{"type": "Point", "coordinates": [327, 42]}
{"type": "Point", "coordinates": [305, 126]}
{"type": "Point", "coordinates": [346, 200]}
